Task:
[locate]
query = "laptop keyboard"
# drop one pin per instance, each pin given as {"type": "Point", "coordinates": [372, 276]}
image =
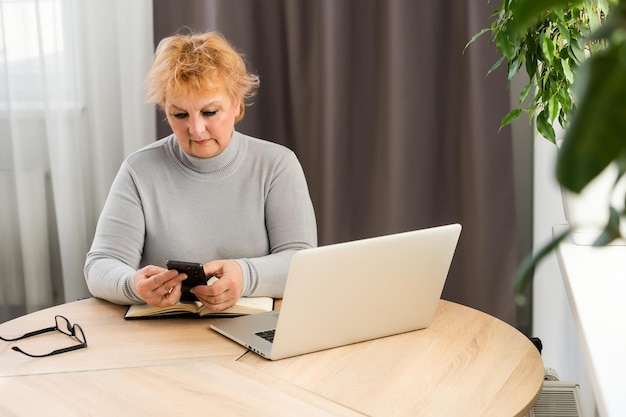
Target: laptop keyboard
{"type": "Point", "coordinates": [267, 335]}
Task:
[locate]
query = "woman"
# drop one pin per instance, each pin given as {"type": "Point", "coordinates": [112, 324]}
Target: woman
{"type": "Point", "coordinates": [206, 193]}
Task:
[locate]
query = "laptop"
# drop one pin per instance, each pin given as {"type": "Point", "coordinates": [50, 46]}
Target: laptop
{"type": "Point", "coordinates": [351, 292]}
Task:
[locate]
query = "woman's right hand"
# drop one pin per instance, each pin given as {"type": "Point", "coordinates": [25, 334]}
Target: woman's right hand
{"type": "Point", "coordinates": [158, 286]}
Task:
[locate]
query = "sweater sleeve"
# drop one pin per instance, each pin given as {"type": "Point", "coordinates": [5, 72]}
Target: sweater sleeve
{"type": "Point", "coordinates": [291, 226]}
{"type": "Point", "coordinates": [116, 250]}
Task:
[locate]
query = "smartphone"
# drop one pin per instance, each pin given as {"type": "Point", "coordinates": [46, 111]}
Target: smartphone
{"type": "Point", "coordinates": [195, 276]}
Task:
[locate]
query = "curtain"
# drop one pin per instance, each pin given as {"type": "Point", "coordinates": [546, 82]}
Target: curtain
{"type": "Point", "coordinates": [71, 108]}
{"type": "Point", "coordinates": [396, 125]}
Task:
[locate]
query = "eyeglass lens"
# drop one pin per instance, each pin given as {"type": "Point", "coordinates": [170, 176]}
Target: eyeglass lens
{"type": "Point", "coordinates": [63, 325]}
{"type": "Point", "coordinates": [79, 334]}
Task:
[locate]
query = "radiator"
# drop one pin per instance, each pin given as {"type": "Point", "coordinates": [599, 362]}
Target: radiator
{"type": "Point", "coordinates": [557, 399]}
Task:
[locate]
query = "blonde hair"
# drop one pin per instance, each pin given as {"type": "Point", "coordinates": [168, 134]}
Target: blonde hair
{"type": "Point", "coordinates": [199, 62]}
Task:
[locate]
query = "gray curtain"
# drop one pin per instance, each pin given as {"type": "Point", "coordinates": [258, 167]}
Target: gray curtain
{"type": "Point", "coordinates": [397, 127]}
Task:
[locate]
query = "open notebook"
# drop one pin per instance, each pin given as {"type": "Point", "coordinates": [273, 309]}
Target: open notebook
{"type": "Point", "coordinates": [350, 292]}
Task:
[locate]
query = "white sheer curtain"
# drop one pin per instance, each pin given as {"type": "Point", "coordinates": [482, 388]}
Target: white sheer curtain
{"type": "Point", "coordinates": [71, 108]}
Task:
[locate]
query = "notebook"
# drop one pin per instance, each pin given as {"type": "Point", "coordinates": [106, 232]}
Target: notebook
{"type": "Point", "coordinates": [351, 292]}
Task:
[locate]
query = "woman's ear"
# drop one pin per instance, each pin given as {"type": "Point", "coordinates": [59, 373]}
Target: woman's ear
{"type": "Point", "coordinates": [240, 110]}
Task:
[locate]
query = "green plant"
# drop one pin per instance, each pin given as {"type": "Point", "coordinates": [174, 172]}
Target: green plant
{"type": "Point", "coordinates": [575, 55]}
{"type": "Point", "coordinates": [549, 50]}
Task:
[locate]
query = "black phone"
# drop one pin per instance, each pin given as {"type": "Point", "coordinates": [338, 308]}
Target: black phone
{"type": "Point", "coordinates": [195, 276]}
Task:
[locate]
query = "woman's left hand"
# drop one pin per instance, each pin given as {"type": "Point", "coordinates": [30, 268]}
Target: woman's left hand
{"type": "Point", "coordinates": [223, 292]}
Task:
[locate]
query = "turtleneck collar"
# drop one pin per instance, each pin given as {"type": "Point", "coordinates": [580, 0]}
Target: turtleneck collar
{"type": "Point", "coordinates": [216, 164]}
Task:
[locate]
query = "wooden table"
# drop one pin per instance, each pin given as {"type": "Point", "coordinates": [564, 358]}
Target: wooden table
{"type": "Point", "coordinates": [466, 363]}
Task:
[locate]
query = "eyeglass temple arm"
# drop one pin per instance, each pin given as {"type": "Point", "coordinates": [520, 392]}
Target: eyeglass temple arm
{"type": "Point", "coordinates": [54, 352]}
{"type": "Point", "coordinates": [29, 334]}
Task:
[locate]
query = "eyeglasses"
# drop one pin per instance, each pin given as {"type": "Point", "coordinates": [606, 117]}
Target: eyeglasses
{"type": "Point", "coordinates": [62, 325]}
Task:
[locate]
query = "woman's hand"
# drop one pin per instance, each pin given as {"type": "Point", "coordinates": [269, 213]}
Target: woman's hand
{"type": "Point", "coordinates": [223, 292]}
{"type": "Point", "coordinates": [158, 286]}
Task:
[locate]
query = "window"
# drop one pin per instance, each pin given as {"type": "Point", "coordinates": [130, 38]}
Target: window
{"type": "Point", "coordinates": [38, 55]}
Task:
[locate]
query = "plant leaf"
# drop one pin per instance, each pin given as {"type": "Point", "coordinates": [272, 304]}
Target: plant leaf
{"type": "Point", "coordinates": [525, 91]}
{"type": "Point", "coordinates": [514, 67]}
{"type": "Point", "coordinates": [504, 45]}
{"type": "Point", "coordinates": [528, 11]}
{"type": "Point", "coordinates": [510, 117]}
{"type": "Point", "coordinates": [564, 31]}
{"type": "Point", "coordinates": [545, 127]}
{"type": "Point", "coordinates": [595, 135]}
{"type": "Point", "coordinates": [567, 71]}
{"type": "Point", "coordinates": [526, 269]}
{"type": "Point", "coordinates": [531, 66]}
{"type": "Point", "coordinates": [576, 52]}
{"type": "Point", "coordinates": [611, 230]}
{"type": "Point", "coordinates": [476, 36]}
{"type": "Point", "coordinates": [547, 46]}
{"type": "Point", "coordinates": [553, 107]}
{"type": "Point", "coordinates": [496, 65]}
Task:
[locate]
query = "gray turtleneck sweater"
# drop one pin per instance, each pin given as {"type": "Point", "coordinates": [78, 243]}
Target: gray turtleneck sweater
{"type": "Point", "coordinates": [250, 203]}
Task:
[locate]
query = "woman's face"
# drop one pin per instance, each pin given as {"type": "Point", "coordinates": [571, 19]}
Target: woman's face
{"type": "Point", "coordinates": [203, 124]}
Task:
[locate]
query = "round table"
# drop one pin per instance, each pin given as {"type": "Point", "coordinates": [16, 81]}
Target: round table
{"type": "Point", "coordinates": [466, 363]}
